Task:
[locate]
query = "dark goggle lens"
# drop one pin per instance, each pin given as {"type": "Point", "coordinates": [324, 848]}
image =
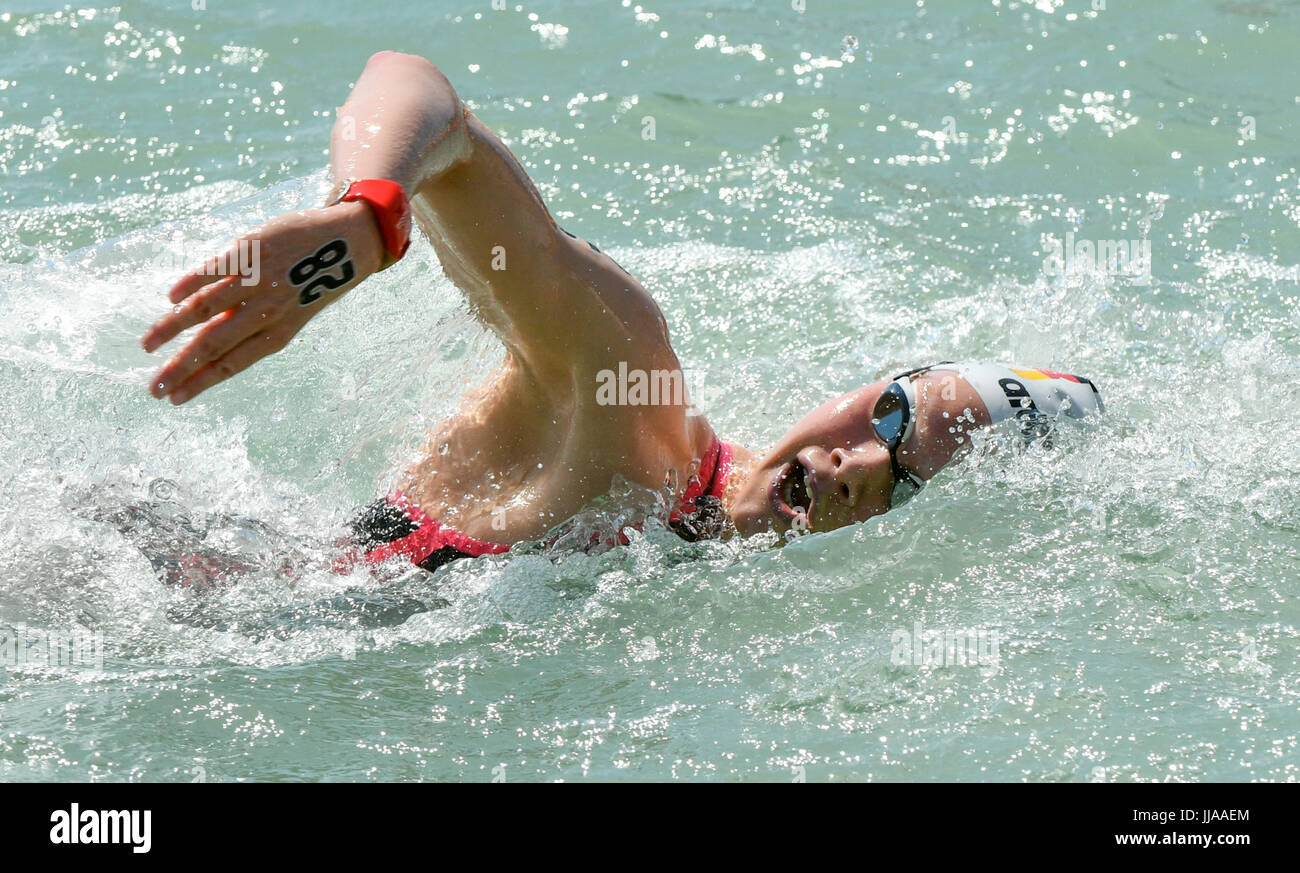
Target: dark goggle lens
{"type": "Point", "coordinates": [890, 415]}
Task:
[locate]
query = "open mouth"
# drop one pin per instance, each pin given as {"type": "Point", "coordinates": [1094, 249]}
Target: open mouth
{"type": "Point", "coordinates": [791, 494]}
{"type": "Point", "coordinates": [797, 494]}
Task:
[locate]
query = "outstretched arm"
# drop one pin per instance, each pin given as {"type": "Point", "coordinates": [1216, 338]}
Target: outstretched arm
{"type": "Point", "coordinates": [526, 279]}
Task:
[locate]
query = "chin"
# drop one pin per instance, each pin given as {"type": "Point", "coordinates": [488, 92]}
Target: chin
{"type": "Point", "coordinates": [752, 512]}
{"type": "Point", "coordinates": [748, 522]}
{"type": "Point", "coordinates": [751, 515]}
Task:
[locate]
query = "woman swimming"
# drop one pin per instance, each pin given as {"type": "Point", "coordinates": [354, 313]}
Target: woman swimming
{"type": "Point", "coordinates": [590, 389]}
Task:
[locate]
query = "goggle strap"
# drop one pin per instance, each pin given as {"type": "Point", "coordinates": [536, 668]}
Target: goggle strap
{"type": "Point", "coordinates": [919, 370]}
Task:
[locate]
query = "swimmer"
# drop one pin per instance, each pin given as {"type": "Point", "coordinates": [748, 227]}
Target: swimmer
{"type": "Point", "coordinates": [551, 432]}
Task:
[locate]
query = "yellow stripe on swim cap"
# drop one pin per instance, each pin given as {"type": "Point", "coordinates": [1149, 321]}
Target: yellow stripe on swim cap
{"type": "Point", "coordinates": [1029, 374]}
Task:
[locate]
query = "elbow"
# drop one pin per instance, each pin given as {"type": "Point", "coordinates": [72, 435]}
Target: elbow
{"type": "Point", "coordinates": [409, 61]}
{"type": "Point", "coordinates": [398, 70]}
{"type": "Point", "coordinates": [413, 97]}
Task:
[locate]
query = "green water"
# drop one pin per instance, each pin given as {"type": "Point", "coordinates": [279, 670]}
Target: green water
{"type": "Point", "coordinates": [808, 223]}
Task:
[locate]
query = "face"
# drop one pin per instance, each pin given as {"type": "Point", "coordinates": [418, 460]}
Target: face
{"type": "Point", "coordinates": [831, 469]}
{"type": "Point", "coordinates": [827, 471]}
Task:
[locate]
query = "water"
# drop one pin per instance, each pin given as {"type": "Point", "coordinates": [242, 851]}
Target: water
{"type": "Point", "coordinates": [828, 195]}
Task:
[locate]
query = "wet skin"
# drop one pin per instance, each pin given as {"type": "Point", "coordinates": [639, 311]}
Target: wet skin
{"type": "Point", "coordinates": [535, 444]}
{"type": "Point", "coordinates": [831, 469]}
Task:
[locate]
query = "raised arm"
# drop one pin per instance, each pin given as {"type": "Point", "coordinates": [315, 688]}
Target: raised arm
{"type": "Point", "coordinates": [556, 303]}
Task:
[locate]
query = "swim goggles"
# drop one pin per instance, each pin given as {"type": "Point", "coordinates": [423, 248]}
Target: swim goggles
{"type": "Point", "coordinates": [894, 422]}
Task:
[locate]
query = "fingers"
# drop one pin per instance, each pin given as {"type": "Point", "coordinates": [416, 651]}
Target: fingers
{"type": "Point", "coordinates": [223, 333]}
{"type": "Point", "coordinates": [214, 299]}
{"type": "Point", "coordinates": [214, 269]}
{"type": "Point", "coordinates": [240, 358]}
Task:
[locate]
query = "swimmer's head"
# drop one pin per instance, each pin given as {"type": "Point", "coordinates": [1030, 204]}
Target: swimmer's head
{"type": "Point", "coordinates": [832, 468]}
{"type": "Point", "coordinates": [859, 454]}
{"type": "Point", "coordinates": [826, 471]}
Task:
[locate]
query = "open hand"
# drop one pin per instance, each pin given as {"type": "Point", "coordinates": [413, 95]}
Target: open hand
{"type": "Point", "coordinates": [302, 261]}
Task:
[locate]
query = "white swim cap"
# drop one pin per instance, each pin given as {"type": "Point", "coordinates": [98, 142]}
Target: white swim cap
{"type": "Point", "coordinates": [1032, 396]}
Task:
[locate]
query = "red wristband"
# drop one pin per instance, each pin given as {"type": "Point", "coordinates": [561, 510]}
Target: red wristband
{"type": "Point", "coordinates": [388, 203]}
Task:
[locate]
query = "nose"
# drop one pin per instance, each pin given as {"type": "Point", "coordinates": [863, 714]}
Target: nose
{"type": "Point", "coordinates": [850, 473]}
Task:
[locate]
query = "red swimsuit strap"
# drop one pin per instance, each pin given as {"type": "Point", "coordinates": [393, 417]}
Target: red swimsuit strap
{"type": "Point", "coordinates": [722, 472]}
{"type": "Point", "coordinates": [710, 479]}
{"type": "Point", "coordinates": [429, 537]}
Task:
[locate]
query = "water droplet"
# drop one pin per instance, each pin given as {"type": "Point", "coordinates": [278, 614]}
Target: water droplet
{"type": "Point", "coordinates": [163, 489]}
{"type": "Point", "coordinates": [848, 48]}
